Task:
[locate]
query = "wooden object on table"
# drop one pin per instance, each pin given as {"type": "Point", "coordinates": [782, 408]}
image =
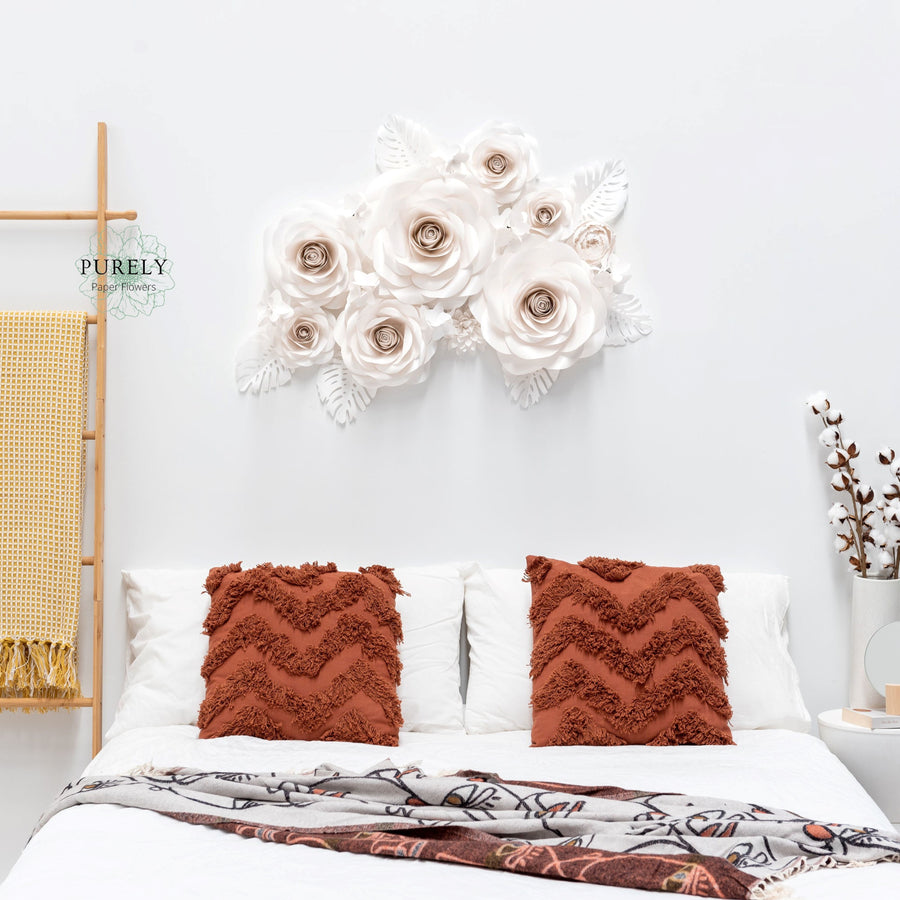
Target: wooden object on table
{"type": "Point", "coordinates": [892, 699]}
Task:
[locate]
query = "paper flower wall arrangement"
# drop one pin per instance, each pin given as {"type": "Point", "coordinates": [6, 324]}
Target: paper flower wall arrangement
{"type": "Point", "coordinates": [463, 246]}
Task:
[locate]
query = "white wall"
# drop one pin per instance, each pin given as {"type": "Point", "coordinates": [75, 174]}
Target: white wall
{"type": "Point", "coordinates": [762, 143]}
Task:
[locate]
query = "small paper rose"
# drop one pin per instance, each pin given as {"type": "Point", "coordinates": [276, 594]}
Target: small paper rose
{"type": "Point", "coordinates": [546, 210]}
{"type": "Point", "coordinates": [306, 337]}
{"type": "Point", "coordinates": [385, 342]}
{"type": "Point", "coordinates": [428, 237]}
{"type": "Point", "coordinates": [502, 159]}
{"type": "Point", "coordinates": [310, 256]}
{"type": "Point", "coordinates": [540, 309]}
{"type": "Point", "coordinates": [593, 243]}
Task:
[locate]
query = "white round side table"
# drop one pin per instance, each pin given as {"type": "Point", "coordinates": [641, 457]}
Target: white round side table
{"type": "Point", "coordinates": [872, 756]}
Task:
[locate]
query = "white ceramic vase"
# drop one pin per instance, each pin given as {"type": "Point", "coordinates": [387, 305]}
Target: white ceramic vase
{"type": "Point", "coordinates": [876, 602]}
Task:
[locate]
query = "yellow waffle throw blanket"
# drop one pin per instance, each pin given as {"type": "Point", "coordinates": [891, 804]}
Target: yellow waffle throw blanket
{"type": "Point", "coordinates": [43, 411]}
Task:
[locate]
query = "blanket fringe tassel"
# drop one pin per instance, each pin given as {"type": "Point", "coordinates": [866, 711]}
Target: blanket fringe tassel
{"type": "Point", "coordinates": [45, 669]}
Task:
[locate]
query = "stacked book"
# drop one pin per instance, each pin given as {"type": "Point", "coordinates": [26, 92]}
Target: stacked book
{"type": "Point", "coordinates": [876, 719]}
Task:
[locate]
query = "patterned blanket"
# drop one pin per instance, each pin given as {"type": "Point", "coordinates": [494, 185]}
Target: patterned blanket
{"type": "Point", "coordinates": [601, 835]}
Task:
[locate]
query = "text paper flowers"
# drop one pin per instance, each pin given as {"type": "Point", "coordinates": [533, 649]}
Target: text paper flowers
{"type": "Point", "coordinates": [868, 528]}
{"type": "Point", "coordinates": [463, 246]}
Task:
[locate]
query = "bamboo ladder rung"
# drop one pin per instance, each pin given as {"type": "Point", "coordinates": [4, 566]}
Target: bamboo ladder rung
{"type": "Point", "coordinates": [62, 215]}
{"type": "Point", "coordinates": [45, 702]}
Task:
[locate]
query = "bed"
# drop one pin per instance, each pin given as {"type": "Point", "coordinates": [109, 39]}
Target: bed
{"type": "Point", "coordinates": [111, 851]}
{"type": "Point", "coordinates": [108, 850]}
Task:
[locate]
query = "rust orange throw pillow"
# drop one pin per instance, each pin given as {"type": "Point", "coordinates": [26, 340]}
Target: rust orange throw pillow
{"type": "Point", "coordinates": [627, 654]}
{"type": "Point", "coordinates": [304, 653]}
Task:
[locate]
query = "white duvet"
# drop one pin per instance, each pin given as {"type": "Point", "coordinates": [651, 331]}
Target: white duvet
{"type": "Point", "coordinates": [104, 852]}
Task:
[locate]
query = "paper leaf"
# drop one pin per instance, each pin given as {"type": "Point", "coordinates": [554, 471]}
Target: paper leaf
{"type": "Point", "coordinates": [401, 143]}
{"type": "Point", "coordinates": [256, 368]}
{"type": "Point", "coordinates": [343, 398]}
{"type": "Point", "coordinates": [526, 390]}
{"type": "Point", "coordinates": [601, 191]}
{"type": "Point", "coordinates": [626, 321]}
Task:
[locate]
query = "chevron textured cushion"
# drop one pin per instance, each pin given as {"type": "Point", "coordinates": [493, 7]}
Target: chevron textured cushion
{"type": "Point", "coordinates": [304, 653]}
{"type": "Point", "coordinates": [627, 654]}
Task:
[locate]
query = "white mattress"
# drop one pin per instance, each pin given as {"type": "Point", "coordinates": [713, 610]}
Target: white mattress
{"type": "Point", "coordinates": [113, 852]}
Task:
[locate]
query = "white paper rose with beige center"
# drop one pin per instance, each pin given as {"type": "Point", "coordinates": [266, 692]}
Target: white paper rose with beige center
{"type": "Point", "coordinates": [462, 246]}
{"type": "Point", "coordinates": [540, 308]}
{"type": "Point", "coordinates": [428, 236]}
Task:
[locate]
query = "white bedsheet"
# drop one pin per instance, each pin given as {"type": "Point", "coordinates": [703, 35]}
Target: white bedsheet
{"type": "Point", "coordinates": [112, 852]}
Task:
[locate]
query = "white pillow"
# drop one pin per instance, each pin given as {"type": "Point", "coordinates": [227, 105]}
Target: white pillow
{"type": "Point", "coordinates": [498, 696]}
{"type": "Point", "coordinates": [166, 609]}
{"type": "Point", "coordinates": [763, 685]}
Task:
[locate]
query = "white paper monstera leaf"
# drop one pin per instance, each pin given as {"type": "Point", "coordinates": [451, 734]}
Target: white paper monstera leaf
{"type": "Point", "coordinates": [601, 191]}
{"type": "Point", "coordinates": [343, 398]}
{"type": "Point", "coordinates": [626, 321]}
{"type": "Point", "coordinates": [526, 390]}
{"type": "Point", "coordinates": [257, 368]}
{"type": "Point", "coordinates": [402, 143]}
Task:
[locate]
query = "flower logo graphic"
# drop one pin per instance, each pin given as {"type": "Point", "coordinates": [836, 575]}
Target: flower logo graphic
{"type": "Point", "coordinates": [138, 272]}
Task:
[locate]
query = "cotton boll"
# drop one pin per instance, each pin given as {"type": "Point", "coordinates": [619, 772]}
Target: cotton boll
{"type": "Point", "coordinates": [838, 513]}
{"type": "Point", "coordinates": [818, 402]}
{"type": "Point", "coordinates": [836, 458]}
{"type": "Point", "coordinates": [840, 481]}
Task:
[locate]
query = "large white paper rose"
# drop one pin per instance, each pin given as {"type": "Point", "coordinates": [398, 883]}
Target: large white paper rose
{"type": "Point", "coordinates": [306, 337]}
{"type": "Point", "coordinates": [385, 342]}
{"type": "Point", "coordinates": [429, 237]}
{"type": "Point", "coordinates": [540, 308]}
{"type": "Point", "coordinates": [546, 210]}
{"type": "Point", "coordinates": [502, 158]}
{"type": "Point", "coordinates": [311, 256]}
